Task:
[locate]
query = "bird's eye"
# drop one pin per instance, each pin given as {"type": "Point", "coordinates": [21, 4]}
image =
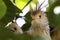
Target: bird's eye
{"type": "Point", "coordinates": [40, 16]}
{"type": "Point", "coordinates": [15, 28]}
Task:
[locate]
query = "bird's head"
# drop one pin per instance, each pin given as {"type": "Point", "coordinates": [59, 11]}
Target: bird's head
{"type": "Point", "coordinates": [39, 15]}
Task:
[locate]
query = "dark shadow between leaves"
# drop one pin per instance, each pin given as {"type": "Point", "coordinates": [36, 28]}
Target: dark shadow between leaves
{"type": "Point", "coordinates": [10, 12]}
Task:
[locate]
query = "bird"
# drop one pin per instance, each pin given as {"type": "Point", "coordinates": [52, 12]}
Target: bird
{"type": "Point", "coordinates": [40, 24]}
{"type": "Point", "coordinates": [14, 27]}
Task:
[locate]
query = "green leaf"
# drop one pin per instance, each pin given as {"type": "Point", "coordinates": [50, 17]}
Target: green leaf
{"type": "Point", "coordinates": [2, 9]}
{"type": "Point", "coordinates": [6, 34]}
{"type": "Point", "coordinates": [9, 13]}
{"type": "Point", "coordinates": [20, 3]}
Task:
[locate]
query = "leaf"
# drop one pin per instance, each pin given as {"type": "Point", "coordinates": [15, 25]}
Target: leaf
{"type": "Point", "coordinates": [2, 9]}
{"type": "Point", "coordinates": [9, 13]}
{"type": "Point", "coordinates": [20, 3]}
{"type": "Point", "coordinates": [5, 34]}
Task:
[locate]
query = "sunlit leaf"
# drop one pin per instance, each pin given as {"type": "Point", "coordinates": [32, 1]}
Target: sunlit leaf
{"type": "Point", "coordinates": [20, 3]}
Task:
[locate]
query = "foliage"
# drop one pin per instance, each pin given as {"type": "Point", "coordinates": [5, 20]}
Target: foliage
{"type": "Point", "coordinates": [54, 18]}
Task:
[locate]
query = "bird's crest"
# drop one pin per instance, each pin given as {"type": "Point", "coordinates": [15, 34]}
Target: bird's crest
{"type": "Point", "coordinates": [37, 9]}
